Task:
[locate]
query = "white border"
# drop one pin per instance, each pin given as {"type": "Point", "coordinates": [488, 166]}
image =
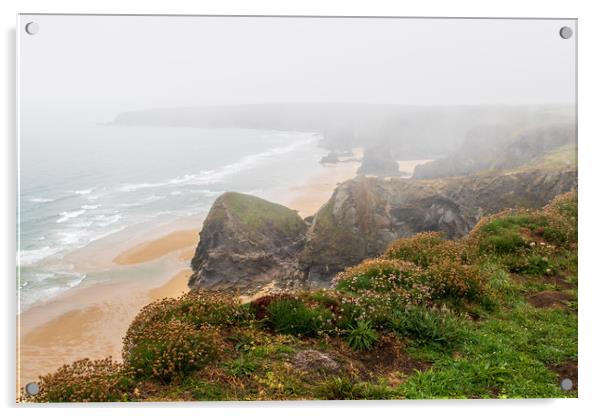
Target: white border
{"type": "Point", "coordinates": [590, 204]}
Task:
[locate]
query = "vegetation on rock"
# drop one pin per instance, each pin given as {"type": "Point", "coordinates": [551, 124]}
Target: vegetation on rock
{"type": "Point", "coordinates": [430, 318]}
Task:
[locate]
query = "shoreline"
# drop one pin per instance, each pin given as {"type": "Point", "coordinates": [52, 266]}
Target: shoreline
{"type": "Point", "coordinates": [92, 325]}
{"type": "Point", "coordinates": [90, 320]}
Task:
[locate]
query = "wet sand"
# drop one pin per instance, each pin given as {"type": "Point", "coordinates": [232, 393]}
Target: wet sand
{"type": "Point", "coordinates": [307, 198]}
{"type": "Point", "coordinates": [94, 328]}
{"type": "Point", "coordinates": [151, 250]}
{"type": "Point", "coordinates": [91, 320]}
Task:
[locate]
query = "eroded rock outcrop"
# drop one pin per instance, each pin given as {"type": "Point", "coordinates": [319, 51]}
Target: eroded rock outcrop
{"type": "Point", "coordinates": [246, 240]}
{"type": "Point", "coordinates": [364, 215]}
{"type": "Point", "coordinates": [379, 161]}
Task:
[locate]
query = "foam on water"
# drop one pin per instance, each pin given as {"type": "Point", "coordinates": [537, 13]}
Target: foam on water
{"type": "Point", "coordinates": [82, 207]}
{"type": "Point", "coordinates": [40, 200]}
{"type": "Point", "coordinates": [214, 176]}
{"type": "Point", "coordinates": [29, 257]}
{"type": "Point", "coordinates": [66, 216]}
{"type": "Point", "coordinates": [83, 191]}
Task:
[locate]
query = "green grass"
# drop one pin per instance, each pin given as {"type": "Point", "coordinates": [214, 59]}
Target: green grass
{"type": "Point", "coordinates": [362, 336]}
{"type": "Point", "coordinates": [429, 327]}
{"type": "Point", "coordinates": [292, 316]}
{"type": "Point", "coordinates": [505, 356]}
{"type": "Point", "coordinates": [560, 158]}
{"type": "Point", "coordinates": [458, 316]}
{"type": "Point", "coordinates": [338, 388]}
{"type": "Point", "coordinates": [257, 214]}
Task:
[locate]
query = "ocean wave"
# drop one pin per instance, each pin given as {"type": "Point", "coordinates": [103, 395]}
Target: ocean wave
{"type": "Point", "coordinates": [83, 224]}
{"type": "Point", "coordinates": [106, 220]}
{"type": "Point", "coordinates": [83, 191]}
{"type": "Point", "coordinates": [138, 186]}
{"type": "Point", "coordinates": [73, 238]}
{"type": "Point", "coordinates": [106, 233]}
{"type": "Point", "coordinates": [153, 198]}
{"type": "Point", "coordinates": [77, 281]}
{"type": "Point", "coordinates": [29, 257]}
{"type": "Point", "coordinates": [91, 207]}
{"type": "Point", "coordinates": [207, 177]}
{"type": "Point", "coordinates": [130, 205]}
{"type": "Point", "coordinates": [43, 288]}
{"type": "Point", "coordinates": [40, 200]}
{"type": "Point", "coordinates": [67, 215]}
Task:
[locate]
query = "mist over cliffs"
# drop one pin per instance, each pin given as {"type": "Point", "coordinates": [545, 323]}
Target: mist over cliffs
{"type": "Point", "coordinates": [406, 132]}
{"type": "Point", "coordinates": [484, 159]}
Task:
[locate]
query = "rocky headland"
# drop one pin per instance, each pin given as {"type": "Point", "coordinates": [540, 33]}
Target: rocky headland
{"type": "Point", "coordinates": [246, 241]}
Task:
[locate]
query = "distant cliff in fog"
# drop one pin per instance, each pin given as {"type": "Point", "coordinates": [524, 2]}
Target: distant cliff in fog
{"type": "Point", "coordinates": [409, 132]}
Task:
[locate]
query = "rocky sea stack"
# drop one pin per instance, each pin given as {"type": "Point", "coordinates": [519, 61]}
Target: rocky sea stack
{"type": "Point", "coordinates": [379, 161]}
{"type": "Point", "coordinates": [246, 240]}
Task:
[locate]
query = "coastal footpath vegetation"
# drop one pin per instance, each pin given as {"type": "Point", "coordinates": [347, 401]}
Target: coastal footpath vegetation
{"type": "Point", "coordinates": [490, 315]}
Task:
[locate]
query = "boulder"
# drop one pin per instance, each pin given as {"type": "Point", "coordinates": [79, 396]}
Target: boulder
{"type": "Point", "coordinates": [312, 360]}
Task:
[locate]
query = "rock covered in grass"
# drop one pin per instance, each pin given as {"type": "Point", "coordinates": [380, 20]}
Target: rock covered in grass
{"type": "Point", "coordinates": [246, 240]}
{"type": "Point", "coordinates": [365, 215]}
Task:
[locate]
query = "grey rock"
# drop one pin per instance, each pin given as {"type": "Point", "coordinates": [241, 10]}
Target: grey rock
{"type": "Point", "coordinates": [312, 360]}
{"type": "Point", "coordinates": [246, 240]}
{"type": "Point", "coordinates": [366, 214]}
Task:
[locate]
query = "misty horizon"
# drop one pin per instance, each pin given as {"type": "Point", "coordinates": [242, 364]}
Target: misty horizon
{"type": "Point", "coordinates": [225, 61]}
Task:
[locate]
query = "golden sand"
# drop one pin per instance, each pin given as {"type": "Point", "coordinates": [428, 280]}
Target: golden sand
{"type": "Point", "coordinates": [151, 250]}
{"type": "Point", "coordinates": [91, 321]}
{"type": "Point", "coordinates": [308, 198]}
{"type": "Point", "coordinates": [177, 285]}
{"type": "Point", "coordinates": [94, 331]}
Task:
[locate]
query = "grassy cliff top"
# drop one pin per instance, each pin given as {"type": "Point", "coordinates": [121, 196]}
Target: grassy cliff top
{"type": "Point", "coordinates": [491, 315]}
{"type": "Point", "coordinates": [255, 213]}
{"type": "Point", "coordinates": [563, 157]}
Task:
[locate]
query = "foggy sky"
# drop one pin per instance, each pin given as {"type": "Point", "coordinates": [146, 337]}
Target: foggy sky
{"type": "Point", "coordinates": [114, 64]}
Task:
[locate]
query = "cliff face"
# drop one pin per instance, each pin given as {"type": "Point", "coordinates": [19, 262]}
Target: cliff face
{"type": "Point", "coordinates": [246, 240]}
{"type": "Point", "coordinates": [366, 214]}
{"type": "Point", "coordinates": [497, 148]}
{"type": "Point", "coordinates": [241, 245]}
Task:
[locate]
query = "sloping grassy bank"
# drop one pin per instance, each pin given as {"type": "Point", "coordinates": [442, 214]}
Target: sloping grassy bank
{"type": "Point", "coordinates": [491, 315]}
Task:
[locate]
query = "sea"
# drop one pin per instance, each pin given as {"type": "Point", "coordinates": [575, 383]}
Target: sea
{"type": "Point", "coordinates": [84, 181]}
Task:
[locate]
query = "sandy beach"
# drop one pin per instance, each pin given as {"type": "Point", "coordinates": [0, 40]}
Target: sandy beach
{"type": "Point", "coordinates": [91, 320]}
{"type": "Point", "coordinates": [150, 250]}
{"type": "Point", "coordinates": [307, 198]}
